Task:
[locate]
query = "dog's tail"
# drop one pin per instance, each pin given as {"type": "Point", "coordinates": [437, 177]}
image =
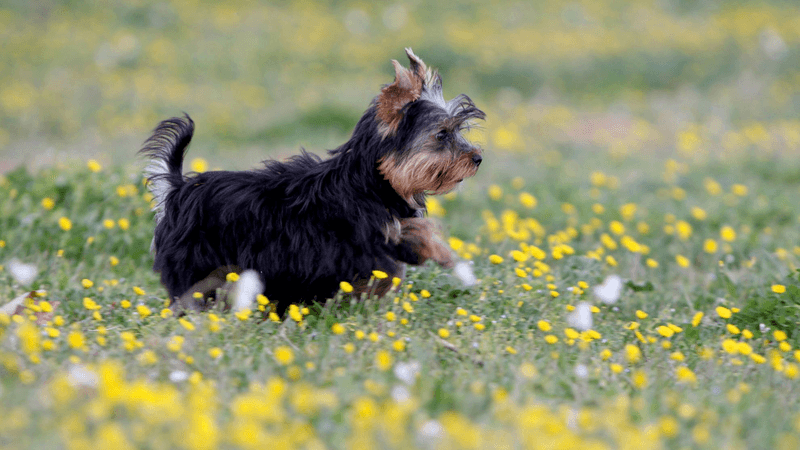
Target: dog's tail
{"type": "Point", "coordinates": [165, 149]}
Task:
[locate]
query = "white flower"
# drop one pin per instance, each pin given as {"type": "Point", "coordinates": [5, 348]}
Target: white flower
{"type": "Point", "coordinates": [80, 376]}
{"type": "Point", "coordinates": [400, 394]}
{"type": "Point", "coordinates": [177, 376]}
{"type": "Point", "coordinates": [23, 273]}
{"type": "Point", "coordinates": [464, 272]}
{"type": "Point", "coordinates": [581, 371]}
{"type": "Point", "coordinates": [407, 372]}
{"type": "Point", "coordinates": [246, 290]}
{"type": "Point", "coordinates": [581, 318]}
{"type": "Point", "coordinates": [610, 290]}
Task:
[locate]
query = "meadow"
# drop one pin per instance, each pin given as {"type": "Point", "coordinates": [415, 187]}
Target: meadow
{"type": "Point", "coordinates": [634, 228]}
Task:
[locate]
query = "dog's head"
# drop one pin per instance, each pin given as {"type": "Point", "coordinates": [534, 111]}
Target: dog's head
{"type": "Point", "coordinates": [429, 154]}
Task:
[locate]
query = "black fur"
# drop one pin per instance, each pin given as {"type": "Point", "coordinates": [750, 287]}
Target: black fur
{"type": "Point", "coordinates": [304, 224]}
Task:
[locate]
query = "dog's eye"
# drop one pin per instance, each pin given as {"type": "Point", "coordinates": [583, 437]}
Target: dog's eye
{"type": "Point", "coordinates": [442, 135]}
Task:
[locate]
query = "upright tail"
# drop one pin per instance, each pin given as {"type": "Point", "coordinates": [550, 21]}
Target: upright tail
{"type": "Point", "coordinates": [165, 149]}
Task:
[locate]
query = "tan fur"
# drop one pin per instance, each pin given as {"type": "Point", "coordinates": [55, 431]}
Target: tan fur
{"type": "Point", "coordinates": [407, 87]}
{"type": "Point", "coordinates": [426, 171]}
{"type": "Point", "coordinates": [424, 236]}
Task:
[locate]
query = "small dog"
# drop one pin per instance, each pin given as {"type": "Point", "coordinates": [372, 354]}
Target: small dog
{"type": "Point", "coordinates": [306, 224]}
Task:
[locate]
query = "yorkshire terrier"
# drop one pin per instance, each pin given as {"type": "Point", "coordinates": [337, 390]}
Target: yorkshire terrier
{"type": "Point", "coordinates": [306, 224]}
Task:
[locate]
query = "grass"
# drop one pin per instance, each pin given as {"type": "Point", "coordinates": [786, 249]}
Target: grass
{"type": "Point", "coordinates": [659, 145]}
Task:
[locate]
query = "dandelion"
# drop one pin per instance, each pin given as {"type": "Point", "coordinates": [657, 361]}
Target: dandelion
{"type": "Point", "coordinates": [338, 328]}
{"type": "Point", "coordinates": [48, 203]}
{"type": "Point", "coordinates": [544, 325]}
{"type": "Point", "coordinates": [399, 345]}
{"type": "Point", "coordinates": [138, 290]}
{"type": "Point", "coordinates": [682, 260]}
{"type": "Point", "coordinates": [710, 246]}
{"type": "Point", "coordinates": [443, 333]}
{"type": "Point", "coordinates": [639, 379]}
{"type": "Point", "coordinates": [527, 200]}
{"type": "Point", "coordinates": [143, 311]}
{"type": "Point", "coordinates": [778, 288]}
{"type": "Point", "coordinates": [779, 335]}
{"type": "Point", "coordinates": [94, 166]}
{"type": "Point", "coordinates": [216, 352]}
{"type": "Point", "coordinates": [495, 259]}
{"type": "Point", "coordinates": [698, 316]}
{"type": "Point", "coordinates": [65, 224]}
{"type": "Point", "coordinates": [727, 233]}
{"type": "Point", "coordinates": [551, 339]}
{"type": "Point", "coordinates": [383, 359]}
{"type": "Point", "coordinates": [123, 223]}
{"type": "Point", "coordinates": [284, 355]}
{"type": "Point", "coordinates": [346, 287]}
{"type": "Point", "coordinates": [198, 165]}
{"type": "Point", "coordinates": [641, 314]}
{"type": "Point", "coordinates": [495, 192]}
{"type": "Point", "coordinates": [633, 354]}
{"type": "Point", "coordinates": [76, 340]}
{"type": "Point", "coordinates": [723, 312]}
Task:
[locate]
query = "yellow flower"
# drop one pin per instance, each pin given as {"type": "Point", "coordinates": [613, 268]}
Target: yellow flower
{"type": "Point", "coordinates": [76, 340]}
{"type": "Point", "coordinates": [232, 277]}
{"type": "Point", "coordinates": [113, 260]}
{"type": "Point", "coordinates": [651, 263]}
{"type": "Point", "coordinates": [198, 165]}
{"type": "Point", "coordinates": [284, 355]}
{"type": "Point", "coordinates": [349, 347]}
{"type": "Point", "coordinates": [732, 329]}
{"type": "Point", "coordinates": [390, 316]}
{"type": "Point", "coordinates": [123, 223]}
{"type": "Point", "coordinates": [338, 328]}
{"type": "Point", "coordinates": [727, 233]}
{"type": "Point", "coordinates": [544, 325]}
{"type": "Point", "coordinates": [641, 314]}
{"type": "Point", "coordinates": [379, 274]}
{"type": "Point", "coordinates": [779, 335]}
{"type": "Point", "coordinates": [243, 314]}
{"type": "Point", "coordinates": [685, 375]}
{"type": "Point", "coordinates": [632, 353]}
{"type": "Point", "coordinates": [495, 192]}
{"type": "Point", "coordinates": [360, 335]}
{"type": "Point", "coordinates": [94, 166]}
{"type": "Point", "coordinates": [443, 333]}
{"type": "Point", "coordinates": [424, 293]}
{"type": "Point", "coordinates": [48, 203]}
{"type": "Point", "coordinates": [383, 360]}
{"type": "Point", "coordinates": [551, 339]}
{"type": "Point", "coordinates": [665, 331]}
{"type": "Point", "coordinates": [527, 200]}
{"type": "Point", "coordinates": [616, 368]}
{"type": "Point", "coordinates": [399, 345]}
{"type": "Point", "coordinates": [143, 311]}
{"type": "Point", "coordinates": [698, 316]}
{"type": "Point", "coordinates": [495, 259]}
{"type": "Point", "coordinates": [86, 283]}
{"type": "Point", "coordinates": [65, 224]}
{"type": "Point", "coordinates": [778, 288]}
{"type": "Point", "coordinates": [108, 223]}
{"type": "Point", "coordinates": [90, 304]}
{"type": "Point", "coordinates": [346, 287]}
{"type": "Point", "coordinates": [138, 290]}
{"type": "Point", "coordinates": [125, 304]}
{"type": "Point", "coordinates": [511, 350]}
{"type": "Point", "coordinates": [639, 379]}
{"type": "Point", "coordinates": [710, 246]}
{"type": "Point", "coordinates": [723, 312]}
{"type": "Point", "coordinates": [682, 260]}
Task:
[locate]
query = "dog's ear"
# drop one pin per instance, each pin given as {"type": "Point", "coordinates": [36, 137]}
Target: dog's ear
{"type": "Point", "coordinates": [407, 87]}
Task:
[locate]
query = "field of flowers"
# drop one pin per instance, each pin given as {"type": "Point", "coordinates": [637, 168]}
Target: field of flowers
{"type": "Point", "coordinates": [634, 228]}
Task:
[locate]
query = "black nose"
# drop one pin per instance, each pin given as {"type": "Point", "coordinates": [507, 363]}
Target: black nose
{"type": "Point", "coordinates": [477, 160]}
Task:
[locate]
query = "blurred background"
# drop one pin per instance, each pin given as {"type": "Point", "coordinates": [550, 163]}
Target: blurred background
{"type": "Point", "coordinates": [558, 79]}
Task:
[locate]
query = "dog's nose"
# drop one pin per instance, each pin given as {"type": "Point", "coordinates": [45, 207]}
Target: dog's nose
{"type": "Point", "coordinates": [477, 160]}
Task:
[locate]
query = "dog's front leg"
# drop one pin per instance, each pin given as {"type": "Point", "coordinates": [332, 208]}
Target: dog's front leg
{"type": "Point", "coordinates": [420, 240]}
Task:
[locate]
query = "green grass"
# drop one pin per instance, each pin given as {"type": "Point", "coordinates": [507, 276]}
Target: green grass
{"type": "Point", "coordinates": [660, 145]}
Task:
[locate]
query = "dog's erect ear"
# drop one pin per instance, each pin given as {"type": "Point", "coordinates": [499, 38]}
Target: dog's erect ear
{"type": "Point", "coordinates": [407, 87]}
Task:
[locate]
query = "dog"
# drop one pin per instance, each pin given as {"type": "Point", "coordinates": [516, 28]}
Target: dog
{"type": "Point", "coordinates": [306, 224]}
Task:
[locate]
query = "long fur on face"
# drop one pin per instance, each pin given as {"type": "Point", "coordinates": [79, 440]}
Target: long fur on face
{"type": "Point", "coordinates": [305, 224]}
